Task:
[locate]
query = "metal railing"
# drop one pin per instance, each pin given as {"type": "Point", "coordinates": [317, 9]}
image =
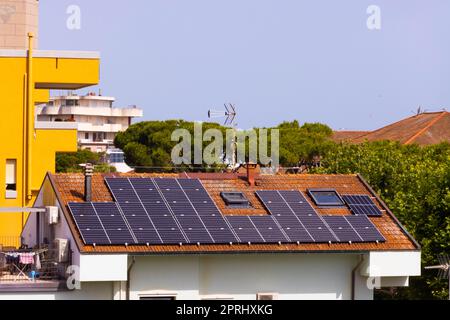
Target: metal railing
{"type": "Point", "coordinates": [31, 266]}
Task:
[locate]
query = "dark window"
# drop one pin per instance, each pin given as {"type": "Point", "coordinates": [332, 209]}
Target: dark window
{"type": "Point", "coordinates": [326, 197]}
{"type": "Point", "coordinates": [86, 135]}
{"type": "Point", "coordinates": [71, 103]}
{"type": "Point", "coordinates": [235, 199]}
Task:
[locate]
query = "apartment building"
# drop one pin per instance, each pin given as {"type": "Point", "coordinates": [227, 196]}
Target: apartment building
{"type": "Point", "coordinates": [98, 122]}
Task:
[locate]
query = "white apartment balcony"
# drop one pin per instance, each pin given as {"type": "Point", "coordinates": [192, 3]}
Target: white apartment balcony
{"type": "Point", "coordinates": [46, 125]}
{"type": "Point", "coordinates": [90, 111]}
{"type": "Point", "coordinates": [89, 127]}
{"type": "Point", "coordinates": [93, 143]}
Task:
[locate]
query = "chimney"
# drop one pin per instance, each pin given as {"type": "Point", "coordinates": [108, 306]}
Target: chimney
{"type": "Point", "coordinates": [251, 173]}
{"type": "Point", "coordinates": [88, 173]}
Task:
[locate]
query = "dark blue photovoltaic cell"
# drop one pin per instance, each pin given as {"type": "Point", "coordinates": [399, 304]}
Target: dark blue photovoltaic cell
{"type": "Point", "coordinates": [293, 197]}
{"type": "Point", "coordinates": [214, 222]}
{"type": "Point", "coordinates": [166, 222]}
{"type": "Point", "coordinates": [156, 208]}
{"type": "Point", "coordinates": [365, 228]}
{"type": "Point", "coordinates": [97, 237]}
{"type": "Point", "coordinates": [243, 222]}
{"type": "Point", "coordinates": [317, 228]}
{"type": "Point", "coordinates": [244, 229]}
{"type": "Point", "coordinates": [342, 229]}
{"type": "Point", "coordinates": [122, 190]}
{"type": "Point", "coordinates": [101, 223]}
{"type": "Point", "coordinates": [279, 209]}
{"type": "Point", "coordinates": [198, 235]}
{"type": "Point", "coordinates": [149, 236]}
{"type": "Point", "coordinates": [269, 196]}
{"type": "Point", "coordinates": [172, 236]}
{"type": "Point", "coordinates": [224, 235]}
{"type": "Point", "coordinates": [207, 209]}
{"type": "Point", "coordinates": [361, 205]}
{"type": "Point", "coordinates": [167, 184]}
{"type": "Point", "coordinates": [269, 229]}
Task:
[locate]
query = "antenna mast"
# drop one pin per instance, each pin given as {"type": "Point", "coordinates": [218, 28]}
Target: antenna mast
{"type": "Point", "coordinates": [230, 117]}
{"type": "Point", "coordinates": [444, 269]}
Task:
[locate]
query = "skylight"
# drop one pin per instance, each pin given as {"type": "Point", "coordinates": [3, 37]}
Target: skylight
{"type": "Point", "coordinates": [235, 199]}
{"type": "Point", "coordinates": [326, 197]}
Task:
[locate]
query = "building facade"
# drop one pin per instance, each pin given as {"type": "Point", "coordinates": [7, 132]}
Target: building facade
{"type": "Point", "coordinates": [29, 147]}
{"type": "Point", "coordinates": [97, 120]}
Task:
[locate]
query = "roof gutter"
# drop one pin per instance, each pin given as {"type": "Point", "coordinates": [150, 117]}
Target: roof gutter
{"type": "Point", "coordinates": [133, 261]}
{"type": "Point", "coordinates": [385, 207]}
{"type": "Point", "coordinates": [361, 261]}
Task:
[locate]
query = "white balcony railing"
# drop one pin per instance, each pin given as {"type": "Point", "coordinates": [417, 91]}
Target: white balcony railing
{"type": "Point", "coordinates": [90, 111]}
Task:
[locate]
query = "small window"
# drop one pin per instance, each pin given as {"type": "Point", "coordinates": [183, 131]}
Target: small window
{"type": "Point", "coordinates": [11, 176]}
{"type": "Point", "coordinates": [86, 135]}
{"type": "Point", "coordinates": [326, 197]}
{"type": "Point", "coordinates": [235, 199]}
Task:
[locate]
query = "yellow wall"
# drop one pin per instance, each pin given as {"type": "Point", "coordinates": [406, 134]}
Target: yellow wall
{"type": "Point", "coordinates": [48, 73]}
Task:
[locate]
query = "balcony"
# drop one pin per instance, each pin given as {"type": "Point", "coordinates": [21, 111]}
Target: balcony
{"type": "Point", "coordinates": [28, 270]}
{"type": "Point", "coordinates": [89, 127]}
{"type": "Point", "coordinates": [89, 111]}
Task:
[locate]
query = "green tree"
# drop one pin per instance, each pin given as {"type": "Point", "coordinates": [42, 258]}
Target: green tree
{"type": "Point", "coordinates": [415, 183]}
{"type": "Point", "coordinates": [70, 161]}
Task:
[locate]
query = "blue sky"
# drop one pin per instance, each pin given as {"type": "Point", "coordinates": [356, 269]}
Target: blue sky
{"type": "Point", "coordinates": [315, 60]}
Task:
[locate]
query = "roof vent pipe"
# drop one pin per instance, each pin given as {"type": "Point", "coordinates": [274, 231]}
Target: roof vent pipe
{"type": "Point", "coordinates": [88, 173]}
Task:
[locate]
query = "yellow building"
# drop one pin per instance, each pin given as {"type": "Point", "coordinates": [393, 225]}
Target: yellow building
{"type": "Point", "coordinates": [28, 147]}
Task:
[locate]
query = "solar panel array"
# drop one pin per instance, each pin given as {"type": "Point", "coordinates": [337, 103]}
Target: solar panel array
{"type": "Point", "coordinates": [153, 211]}
{"type": "Point", "coordinates": [362, 205]}
{"type": "Point", "coordinates": [302, 223]}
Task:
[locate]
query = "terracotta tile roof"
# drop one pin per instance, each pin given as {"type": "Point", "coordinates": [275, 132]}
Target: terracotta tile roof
{"type": "Point", "coordinates": [69, 188]}
{"type": "Point", "coordinates": [341, 136]}
{"type": "Point", "coordinates": [424, 129]}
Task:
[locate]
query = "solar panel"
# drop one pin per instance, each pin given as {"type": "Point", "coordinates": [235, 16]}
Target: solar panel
{"type": "Point", "coordinates": [269, 229]}
{"type": "Point", "coordinates": [222, 235]}
{"type": "Point", "coordinates": [365, 228]}
{"type": "Point", "coordinates": [198, 235]}
{"type": "Point", "coordinates": [268, 196]}
{"type": "Point", "coordinates": [145, 236]}
{"type": "Point", "coordinates": [122, 190]}
{"type": "Point", "coordinates": [174, 211]}
{"type": "Point", "coordinates": [362, 205]}
{"type": "Point", "coordinates": [342, 229]}
{"type": "Point", "coordinates": [101, 223]}
{"type": "Point", "coordinates": [293, 197]}
{"type": "Point", "coordinates": [316, 227]}
{"type": "Point", "coordinates": [244, 229]}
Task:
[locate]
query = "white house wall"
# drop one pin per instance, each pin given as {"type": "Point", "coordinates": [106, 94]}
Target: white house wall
{"type": "Point", "coordinates": [105, 267]}
{"type": "Point", "coordinates": [89, 291]}
{"type": "Point", "coordinates": [301, 276]}
{"type": "Point", "coordinates": [392, 264]}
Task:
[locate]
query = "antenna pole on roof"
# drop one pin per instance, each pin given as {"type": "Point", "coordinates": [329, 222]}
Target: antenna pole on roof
{"type": "Point", "coordinates": [444, 270]}
{"type": "Point", "coordinates": [230, 114]}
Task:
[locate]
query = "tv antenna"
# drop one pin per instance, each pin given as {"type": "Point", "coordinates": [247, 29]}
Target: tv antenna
{"type": "Point", "coordinates": [444, 269]}
{"type": "Point", "coordinates": [229, 114]}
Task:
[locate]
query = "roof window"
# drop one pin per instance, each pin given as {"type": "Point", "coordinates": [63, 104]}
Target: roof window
{"type": "Point", "coordinates": [326, 197]}
{"type": "Point", "coordinates": [235, 199]}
